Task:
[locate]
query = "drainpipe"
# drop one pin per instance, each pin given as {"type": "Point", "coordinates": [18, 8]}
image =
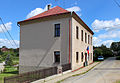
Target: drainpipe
{"type": "Point", "coordinates": [69, 39]}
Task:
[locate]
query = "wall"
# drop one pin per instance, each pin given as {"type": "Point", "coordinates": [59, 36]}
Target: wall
{"type": "Point", "coordinates": [79, 46]}
{"type": "Point", "coordinates": [37, 44]}
{"type": "Point", "coordinates": [2, 67]}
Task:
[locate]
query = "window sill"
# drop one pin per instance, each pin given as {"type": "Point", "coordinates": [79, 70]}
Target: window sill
{"type": "Point", "coordinates": [56, 63]}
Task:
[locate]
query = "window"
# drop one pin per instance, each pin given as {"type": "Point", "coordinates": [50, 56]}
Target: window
{"type": "Point", "coordinates": [81, 35]}
{"type": "Point", "coordinates": [77, 57]}
{"type": "Point", "coordinates": [91, 40]}
{"type": "Point", "coordinates": [88, 39]}
{"type": "Point", "coordinates": [91, 56]}
{"type": "Point", "coordinates": [85, 37]}
{"type": "Point", "coordinates": [57, 56]}
{"type": "Point", "coordinates": [82, 56]}
{"type": "Point", "coordinates": [57, 30]}
{"type": "Point", "coordinates": [88, 57]}
{"type": "Point", "coordinates": [77, 33]}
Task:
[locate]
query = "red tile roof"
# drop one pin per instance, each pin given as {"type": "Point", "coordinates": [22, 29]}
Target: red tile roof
{"type": "Point", "coordinates": [54, 11]}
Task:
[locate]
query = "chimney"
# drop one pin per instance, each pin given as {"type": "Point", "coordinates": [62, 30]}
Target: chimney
{"type": "Point", "coordinates": [49, 6]}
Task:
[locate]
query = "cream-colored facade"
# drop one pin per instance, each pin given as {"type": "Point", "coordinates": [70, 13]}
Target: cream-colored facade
{"type": "Point", "coordinates": [80, 46]}
{"type": "Point", "coordinates": [38, 43]}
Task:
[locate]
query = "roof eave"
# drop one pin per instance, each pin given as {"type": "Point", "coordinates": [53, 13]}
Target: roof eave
{"type": "Point", "coordinates": [73, 13]}
{"type": "Point", "coordinates": [41, 17]}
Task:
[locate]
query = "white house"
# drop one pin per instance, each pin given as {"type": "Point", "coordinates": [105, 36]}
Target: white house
{"type": "Point", "coordinates": [53, 38]}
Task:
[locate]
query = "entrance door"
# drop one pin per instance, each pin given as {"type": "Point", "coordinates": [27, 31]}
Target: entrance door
{"type": "Point", "coordinates": [85, 57]}
{"type": "Point", "coordinates": [86, 63]}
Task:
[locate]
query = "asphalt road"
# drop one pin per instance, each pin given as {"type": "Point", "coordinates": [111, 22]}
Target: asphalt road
{"type": "Point", "coordinates": [107, 71]}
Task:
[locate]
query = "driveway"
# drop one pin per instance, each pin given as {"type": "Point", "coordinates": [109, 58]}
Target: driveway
{"type": "Point", "coordinates": [107, 71]}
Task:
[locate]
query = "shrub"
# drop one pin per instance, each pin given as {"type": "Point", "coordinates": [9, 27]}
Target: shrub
{"type": "Point", "coordinates": [118, 58]}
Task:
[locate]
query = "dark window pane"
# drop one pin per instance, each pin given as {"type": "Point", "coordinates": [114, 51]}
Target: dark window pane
{"type": "Point", "coordinates": [77, 57]}
{"type": "Point", "coordinates": [57, 56]}
{"type": "Point", "coordinates": [91, 40]}
{"type": "Point", "coordinates": [81, 35]}
{"type": "Point", "coordinates": [57, 30]}
{"type": "Point", "coordinates": [82, 56]}
{"type": "Point", "coordinates": [88, 39]}
{"type": "Point", "coordinates": [77, 32]}
{"type": "Point", "coordinates": [85, 37]}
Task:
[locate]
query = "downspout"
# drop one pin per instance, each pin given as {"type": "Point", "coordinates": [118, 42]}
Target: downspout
{"type": "Point", "coordinates": [69, 39]}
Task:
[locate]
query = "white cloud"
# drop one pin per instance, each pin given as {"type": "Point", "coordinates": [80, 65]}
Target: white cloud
{"type": "Point", "coordinates": [6, 42]}
{"type": "Point", "coordinates": [40, 10]}
{"type": "Point", "coordinates": [110, 35]}
{"type": "Point", "coordinates": [107, 42]}
{"type": "Point", "coordinates": [98, 42]}
{"type": "Point", "coordinates": [37, 11]}
{"type": "Point", "coordinates": [8, 26]}
{"type": "Point", "coordinates": [107, 25]}
{"type": "Point", "coordinates": [74, 8]}
{"type": "Point", "coordinates": [112, 31]}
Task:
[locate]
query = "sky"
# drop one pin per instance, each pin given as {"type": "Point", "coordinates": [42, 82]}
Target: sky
{"type": "Point", "coordinates": [102, 16]}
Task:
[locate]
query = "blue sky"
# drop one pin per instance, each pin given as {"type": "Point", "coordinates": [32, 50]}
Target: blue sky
{"type": "Point", "coordinates": [102, 16]}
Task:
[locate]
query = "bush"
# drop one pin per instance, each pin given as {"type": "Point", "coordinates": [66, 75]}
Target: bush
{"type": "Point", "coordinates": [118, 58]}
{"type": "Point", "coordinates": [97, 52]}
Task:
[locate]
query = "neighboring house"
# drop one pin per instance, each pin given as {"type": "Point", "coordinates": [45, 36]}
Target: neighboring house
{"type": "Point", "coordinates": [53, 38]}
{"type": "Point", "coordinates": [4, 49]}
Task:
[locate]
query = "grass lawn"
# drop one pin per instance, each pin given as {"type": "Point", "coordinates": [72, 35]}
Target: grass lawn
{"type": "Point", "coordinates": [8, 71]}
{"type": "Point", "coordinates": [16, 60]}
{"type": "Point", "coordinates": [117, 81]}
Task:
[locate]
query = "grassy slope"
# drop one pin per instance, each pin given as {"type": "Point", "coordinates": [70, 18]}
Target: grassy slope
{"type": "Point", "coordinates": [9, 71]}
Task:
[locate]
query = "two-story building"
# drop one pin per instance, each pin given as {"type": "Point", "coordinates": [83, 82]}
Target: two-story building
{"type": "Point", "coordinates": [52, 38]}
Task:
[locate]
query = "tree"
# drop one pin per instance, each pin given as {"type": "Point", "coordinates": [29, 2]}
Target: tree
{"type": "Point", "coordinates": [4, 47]}
{"type": "Point", "coordinates": [106, 52]}
{"type": "Point", "coordinates": [115, 46]}
{"type": "Point", "coordinates": [97, 52]}
{"type": "Point", "coordinates": [102, 51]}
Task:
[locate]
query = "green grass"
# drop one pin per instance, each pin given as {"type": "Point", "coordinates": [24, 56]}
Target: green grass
{"type": "Point", "coordinates": [8, 71]}
{"type": "Point", "coordinates": [117, 81]}
{"type": "Point", "coordinates": [16, 61]}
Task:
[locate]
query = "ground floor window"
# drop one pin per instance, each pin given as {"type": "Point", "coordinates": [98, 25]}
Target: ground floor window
{"type": "Point", "coordinates": [82, 56]}
{"type": "Point", "coordinates": [57, 56]}
{"type": "Point", "coordinates": [77, 57]}
{"type": "Point", "coordinates": [91, 56]}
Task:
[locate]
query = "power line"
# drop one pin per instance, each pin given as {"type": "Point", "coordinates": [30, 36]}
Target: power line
{"type": "Point", "coordinates": [8, 32]}
{"type": "Point", "coordinates": [6, 36]}
{"type": "Point", "coordinates": [117, 3]}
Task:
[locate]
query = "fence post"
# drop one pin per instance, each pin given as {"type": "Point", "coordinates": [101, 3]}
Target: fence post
{"type": "Point", "coordinates": [4, 80]}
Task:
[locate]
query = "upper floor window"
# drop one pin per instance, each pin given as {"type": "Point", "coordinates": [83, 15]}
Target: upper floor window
{"type": "Point", "coordinates": [57, 30]}
{"type": "Point", "coordinates": [81, 35]}
{"type": "Point", "coordinates": [77, 33]}
{"type": "Point", "coordinates": [85, 37]}
{"type": "Point", "coordinates": [91, 40]}
{"type": "Point", "coordinates": [57, 56]}
{"type": "Point", "coordinates": [91, 56]}
{"type": "Point", "coordinates": [88, 39]}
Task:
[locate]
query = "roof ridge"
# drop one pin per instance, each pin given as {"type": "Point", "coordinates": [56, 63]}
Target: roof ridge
{"type": "Point", "coordinates": [45, 12]}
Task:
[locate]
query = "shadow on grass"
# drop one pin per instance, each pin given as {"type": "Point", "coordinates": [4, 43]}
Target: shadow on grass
{"type": "Point", "coordinates": [12, 72]}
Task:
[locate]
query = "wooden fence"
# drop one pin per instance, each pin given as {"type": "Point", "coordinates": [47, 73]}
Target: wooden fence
{"type": "Point", "coordinates": [35, 75]}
